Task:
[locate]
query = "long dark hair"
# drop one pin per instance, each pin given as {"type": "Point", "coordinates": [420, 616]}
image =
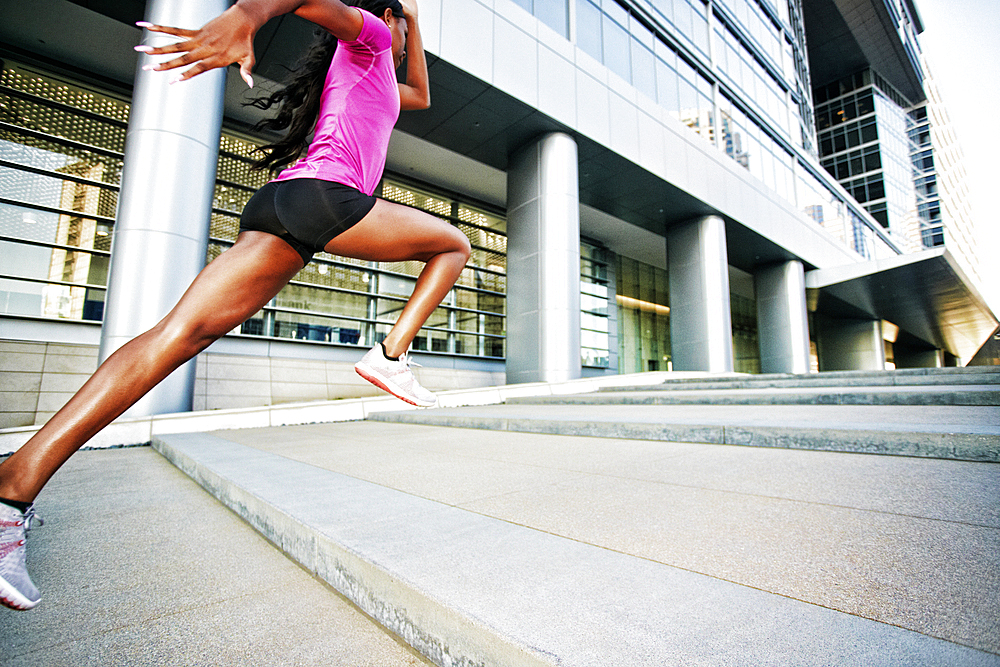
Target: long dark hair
{"type": "Point", "coordinates": [298, 101]}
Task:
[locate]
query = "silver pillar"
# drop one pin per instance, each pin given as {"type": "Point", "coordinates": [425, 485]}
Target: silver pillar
{"type": "Point", "coordinates": [849, 345]}
{"type": "Point", "coordinates": [701, 329]}
{"type": "Point", "coordinates": [161, 230]}
{"type": "Point", "coordinates": [543, 262]}
{"type": "Point", "coordinates": [782, 320]}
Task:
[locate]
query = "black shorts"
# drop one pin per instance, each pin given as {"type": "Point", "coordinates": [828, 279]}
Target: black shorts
{"type": "Point", "coordinates": [305, 212]}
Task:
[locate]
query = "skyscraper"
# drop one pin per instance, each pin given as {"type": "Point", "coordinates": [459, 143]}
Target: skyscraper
{"type": "Point", "coordinates": [940, 178]}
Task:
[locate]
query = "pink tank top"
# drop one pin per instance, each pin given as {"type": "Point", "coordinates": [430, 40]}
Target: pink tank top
{"type": "Point", "coordinates": [358, 109]}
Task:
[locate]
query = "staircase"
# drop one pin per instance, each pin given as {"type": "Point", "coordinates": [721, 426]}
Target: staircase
{"type": "Point", "coordinates": [937, 413]}
{"type": "Point", "coordinates": [611, 528]}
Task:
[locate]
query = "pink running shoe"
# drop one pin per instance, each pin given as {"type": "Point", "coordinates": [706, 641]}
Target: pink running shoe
{"type": "Point", "coordinates": [394, 377]}
{"type": "Point", "coordinates": [16, 588]}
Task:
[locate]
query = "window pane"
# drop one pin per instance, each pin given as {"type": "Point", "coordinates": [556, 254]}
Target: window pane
{"type": "Point", "coordinates": [666, 88]}
{"type": "Point", "coordinates": [588, 29]}
{"type": "Point", "coordinates": [553, 13]}
{"type": "Point", "coordinates": [616, 49]}
{"type": "Point", "coordinates": [643, 70]}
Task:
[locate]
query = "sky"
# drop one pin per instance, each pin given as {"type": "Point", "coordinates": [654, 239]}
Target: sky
{"type": "Point", "coordinates": [960, 41]}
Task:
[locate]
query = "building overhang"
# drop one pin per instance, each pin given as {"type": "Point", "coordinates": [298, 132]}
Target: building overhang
{"type": "Point", "coordinates": [926, 294]}
{"type": "Point", "coordinates": [845, 36]}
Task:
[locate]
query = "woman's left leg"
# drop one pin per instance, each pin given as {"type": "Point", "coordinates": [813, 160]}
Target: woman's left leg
{"type": "Point", "coordinates": [226, 292]}
{"type": "Point", "coordinates": [395, 233]}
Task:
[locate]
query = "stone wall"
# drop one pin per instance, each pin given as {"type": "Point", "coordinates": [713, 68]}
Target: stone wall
{"type": "Point", "coordinates": [36, 379]}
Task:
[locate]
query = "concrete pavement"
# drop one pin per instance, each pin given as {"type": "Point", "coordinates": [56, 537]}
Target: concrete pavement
{"type": "Point", "coordinates": [139, 566]}
{"type": "Point", "coordinates": [512, 543]}
{"type": "Point", "coordinates": [522, 549]}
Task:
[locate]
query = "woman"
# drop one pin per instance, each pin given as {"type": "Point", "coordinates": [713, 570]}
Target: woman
{"type": "Point", "coordinates": [322, 203]}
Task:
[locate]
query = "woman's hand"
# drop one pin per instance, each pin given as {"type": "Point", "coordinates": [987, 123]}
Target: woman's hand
{"type": "Point", "coordinates": [409, 10]}
{"type": "Point", "coordinates": [228, 38]}
{"type": "Point", "coordinates": [224, 40]}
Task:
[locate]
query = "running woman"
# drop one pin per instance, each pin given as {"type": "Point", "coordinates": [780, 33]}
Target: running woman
{"type": "Point", "coordinates": [347, 90]}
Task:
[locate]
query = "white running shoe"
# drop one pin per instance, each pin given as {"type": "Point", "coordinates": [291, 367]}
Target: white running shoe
{"type": "Point", "coordinates": [16, 588]}
{"type": "Point", "coordinates": [394, 377]}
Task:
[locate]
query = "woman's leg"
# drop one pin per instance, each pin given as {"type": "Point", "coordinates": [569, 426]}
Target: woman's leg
{"type": "Point", "coordinates": [395, 233]}
{"type": "Point", "coordinates": [228, 291]}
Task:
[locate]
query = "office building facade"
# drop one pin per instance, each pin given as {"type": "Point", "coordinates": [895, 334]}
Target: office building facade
{"type": "Point", "coordinates": [641, 183]}
{"type": "Point", "coordinates": [943, 207]}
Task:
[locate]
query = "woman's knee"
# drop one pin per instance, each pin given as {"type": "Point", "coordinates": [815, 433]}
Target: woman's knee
{"type": "Point", "coordinates": [460, 243]}
{"type": "Point", "coordinates": [185, 337]}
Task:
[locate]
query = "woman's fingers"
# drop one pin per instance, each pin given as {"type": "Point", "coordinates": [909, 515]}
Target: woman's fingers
{"type": "Point", "coordinates": [224, 40]}
{"type": "Point", "coordinates": [166, 29]}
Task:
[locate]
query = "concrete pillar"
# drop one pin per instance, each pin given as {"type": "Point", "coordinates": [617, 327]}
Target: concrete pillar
{"type": "Point", "coordinates": [543, 262]}
{"type": "Point", "coordinates": [782, 319]}
{"type": "Point", "coordinates": [701, 330]}
{"type": "Point", "coordinates": [849, 345]}
{"type": "Point", "coordinates": [922, 358]}
{"type": "Point", "coordinates": [161, 230]}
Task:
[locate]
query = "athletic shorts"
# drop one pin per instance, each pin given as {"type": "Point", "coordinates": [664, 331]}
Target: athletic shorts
{"type": "Point", "coordinates": [305, 212]}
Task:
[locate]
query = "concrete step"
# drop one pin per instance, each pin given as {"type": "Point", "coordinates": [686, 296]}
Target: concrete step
{"type": "Point", "coordinates": [755, 394]}
{"type": "Point", "coordinates": [970, 433]}
{"type": "Point", "coordinates": [139, 567]}
{"type": "Point", "coordinates": [435, 534]}
{"type": "Point", "coordinates": [956, 377]}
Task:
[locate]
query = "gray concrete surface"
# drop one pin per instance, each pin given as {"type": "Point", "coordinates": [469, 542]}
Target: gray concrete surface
{"type": "Point", "coordinates": [512, 548]}
{"type": "Point", "coordinates": [139, 566]}
{"type": "Point", "coordinates": [969, 433]}
{"type": "Point", "coordinates": [974, 394]}
{"type": "Point", "coordinates": [929, 377]}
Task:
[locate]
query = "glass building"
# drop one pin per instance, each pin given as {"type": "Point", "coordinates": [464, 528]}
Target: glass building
{"type": "Point", "coordinates": [648, 185]}
{"type": "Point", "coordinates": [940, 179]}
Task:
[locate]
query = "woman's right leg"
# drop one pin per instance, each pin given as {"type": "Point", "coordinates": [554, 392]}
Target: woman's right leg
{"type": "Point", "coordinates": [228, 291]}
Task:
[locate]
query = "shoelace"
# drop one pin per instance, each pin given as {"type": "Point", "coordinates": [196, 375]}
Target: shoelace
{"type": "Point", "coordinates": [409, 362]}
{"type": "Point", "coordinates": [30, 517]}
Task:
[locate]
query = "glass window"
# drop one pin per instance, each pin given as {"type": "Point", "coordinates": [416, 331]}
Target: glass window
{"type": "Point", "coordinates": [555, 14]}
{"type": "Point", "coordinates": [616, 49]}
{"type": "Point", "coordinates": [665, 7]}
{"type": "Point", "coordinates": [643, 317]}
{"type": "Point", "coordinates": [699, 27]}
{"type": "Point", "coordinates": [688, 96]}
{"type": "Point", "coordinates": [594, 294]}
{"type": "Point", "coordinates": [869, 132]}
{"type": "Point", "coordinates": [666, 88]}
{"type": "Point", "coordinates": [62, 190]}
{"type": "Point", "coordinates": [643, 70]}
{"type": "Point", "coordinates": [746, 350]}
{"type": "Point", "coordinates": [588, 29]}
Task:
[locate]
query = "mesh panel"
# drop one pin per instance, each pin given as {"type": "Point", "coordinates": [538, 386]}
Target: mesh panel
{"type": "Point", "coordinates": [82, 125]}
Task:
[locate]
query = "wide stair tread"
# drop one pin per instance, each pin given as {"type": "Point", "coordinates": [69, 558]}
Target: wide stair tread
{"type": "Point", "coordinates": [468, 585]}
{"type": "Point", "coordinates": [754, 395]}
{"type": "Point", "coordinates": [953, 377]}
{"type": "Point", "coordinates": [930, 420]}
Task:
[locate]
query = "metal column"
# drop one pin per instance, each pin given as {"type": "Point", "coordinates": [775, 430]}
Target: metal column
{"type": "Point", "coordinates": [782, 319]}
{"type": "Point", "coordinates": [161, 230]}
{"type": "Point", "coordinates": [701, 330]}
{"type": "Point", "coordinates": [543, 262]}
{"type": "Point", "coordinates": [849, 345]}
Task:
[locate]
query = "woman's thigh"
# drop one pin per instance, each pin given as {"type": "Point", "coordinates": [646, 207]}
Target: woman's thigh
{"type": "Point", "coordinates": [395, 233]}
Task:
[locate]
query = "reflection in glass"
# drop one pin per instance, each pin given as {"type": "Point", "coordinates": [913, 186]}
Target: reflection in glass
{"type": "Point", "coordinates": [643, 317]}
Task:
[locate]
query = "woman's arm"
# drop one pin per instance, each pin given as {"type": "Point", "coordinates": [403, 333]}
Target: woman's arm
{"type": "Point", "coordinates": [228, 38]}
{"type": "Point", "coordinates": [416, 92]}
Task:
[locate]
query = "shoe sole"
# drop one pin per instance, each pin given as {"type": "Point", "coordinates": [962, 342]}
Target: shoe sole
{"type": "Point", "coordinates": [10, 597]}
{"type": "Point", "coordinates": [365, 371]}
